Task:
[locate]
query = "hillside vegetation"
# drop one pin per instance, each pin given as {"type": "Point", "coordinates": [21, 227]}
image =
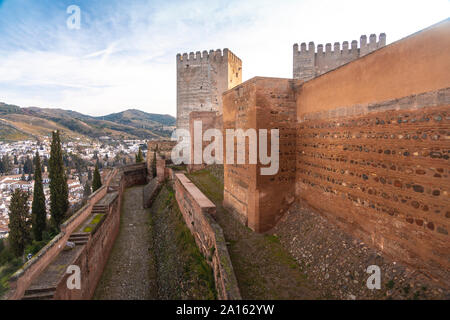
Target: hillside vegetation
{"type": "Point", "coordinates": [18, 123]}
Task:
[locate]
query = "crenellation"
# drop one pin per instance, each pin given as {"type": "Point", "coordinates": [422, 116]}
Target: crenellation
{"type": "Point", "coordinates": [309, 64]}
{"type": "Point", "coordinates": [201, 79]}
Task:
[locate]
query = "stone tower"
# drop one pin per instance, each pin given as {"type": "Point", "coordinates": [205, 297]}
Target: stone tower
{"type": "Point", "coordinates": [309, 64]}
{"type": "Point", "coordinates": [201, 80]}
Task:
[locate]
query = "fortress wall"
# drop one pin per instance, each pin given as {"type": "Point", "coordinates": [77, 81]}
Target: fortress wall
{"type": "Point", "coordinates": [201, 80]}
{"type": "Point", "coordinates": [373, 149]}
{"type": "Point", "coordinates": [92, 259]}
{"type": "Point", "coordinates": [210, 120]}
{"type": "Point", "coordinates": [261, 103]}
{"type": "Point", "coordinates": [198, 212]}
{"type": "Point", "coordinates": [309, 64]}
{"type": "Point", "coordinates": [164, 148]}
{"type": "Point", "coordinates": [22, 279]}
{"type": "Point", "coordinates": [94, 256]}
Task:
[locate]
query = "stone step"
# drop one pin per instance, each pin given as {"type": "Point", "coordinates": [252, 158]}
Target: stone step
{"type": "Point", "coordinates": [39, 290]}
{"type": "Point", "coordinates": [96, 206]}
{"type": "Point", "coordinates": [40, 296]}
{"type": "Point", "coordinates": [80, 243]}
{"type": "Point", "coordinates": [79, 235]}
{"type": "Point", "coordinates": [78, 238]}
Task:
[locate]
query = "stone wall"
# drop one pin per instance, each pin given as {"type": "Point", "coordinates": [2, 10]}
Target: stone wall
{"type": "Point", "coordinates": [201, 79]}
{"type": "Point", "coordinates": [164, 150]}
{"type": "Point", "coordinates": [198, 212]}
{"type": "Point", "coordinates": [94, 255]}
{"type": "Point", "coordinates": [261, 103]}
{"type": "Point", "coordinates": [209, 120]}
{"type": "Point", "coordinates": [309, 64]}
{"type": "Point", "coordinates": [373, 149]}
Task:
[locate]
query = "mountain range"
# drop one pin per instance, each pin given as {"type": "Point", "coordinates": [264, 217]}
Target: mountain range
{"type": "Point", "coordinates": [18, 123]}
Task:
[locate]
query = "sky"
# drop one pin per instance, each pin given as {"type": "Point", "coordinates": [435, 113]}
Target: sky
{"type": "Point", "coordinates": [124, 53]}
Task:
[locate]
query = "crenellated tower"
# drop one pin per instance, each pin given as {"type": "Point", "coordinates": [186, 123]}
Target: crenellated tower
{"type": "Point", "coordinates": [309, 63]}
{"type": "Point", "coordinates": [201, 79]}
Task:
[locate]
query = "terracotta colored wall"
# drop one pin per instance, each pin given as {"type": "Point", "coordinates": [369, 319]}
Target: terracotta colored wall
{"type": "Point", "coordinates": [22, 279]}
{"type": "Point", "coordinates": [416, 64]}
{"type": "Point", "coordinates": [198, 212]}
{"type": "Point", "coordinates": [261, 103]}
{"type": "Point", "coordinates": [210, 120]}
{"type": "Point", "coordinates": [94, 256]}
{"type": "Point", "coordinates": [373, 149]}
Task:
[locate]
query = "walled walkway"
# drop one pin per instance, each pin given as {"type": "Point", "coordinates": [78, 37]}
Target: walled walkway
{"type": "Point", "coordinates": [130, 271]}
{"type": "Point", "coordinates": [263, 268]}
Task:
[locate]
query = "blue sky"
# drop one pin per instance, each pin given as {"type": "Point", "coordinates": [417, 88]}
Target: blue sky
{"type": "Point", "coordinates": [123, 56]}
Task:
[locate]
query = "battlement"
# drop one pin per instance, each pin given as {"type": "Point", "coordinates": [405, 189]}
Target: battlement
{"type": "Point", "coordinates": [373, 44]}
{"type": "Point", "coordinates": [309, 63]}
{"type": "Point", "coordinates": [202, 77]}
{"type": "Point", "coordinates": [216, 55]}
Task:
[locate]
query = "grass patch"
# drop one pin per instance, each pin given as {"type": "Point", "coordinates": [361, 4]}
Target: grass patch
{"type": "Point", "coordinates": [97, 218]}
{"type": "Point", "coordinates": [183, 256]}
{"type": "Point", "coordinates": [87, 229]}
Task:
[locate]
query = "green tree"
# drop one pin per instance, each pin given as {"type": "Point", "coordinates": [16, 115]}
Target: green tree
{"type": "Point", "coordinates": [19, 229]}
{"type": "Point", "coordinates": [59, 191]}
{"type": "Point", "coordinates": [6, 163]}
{"type": "Point", "coordinates": [139, 156]}
{"type": "Point", "coordinates": [2, 167]}
{"type": "Point", "coordinates": [154, 164]}
{"type": "Point", "coordinates": [87, 190]}
{"type": "Point", "coordinates": [28, 166]}
{"type": "Point", "coordinates": [38, 212]}
{"type": "Point", "coordinates": [97, 180]}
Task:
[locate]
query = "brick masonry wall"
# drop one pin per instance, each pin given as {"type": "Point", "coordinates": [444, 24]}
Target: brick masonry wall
{"type": "Point", "coordinates": [94, 256]}
{"type": "Point", "coordinates": [309, 64]}
{"type": "Point", "coordinates": [198, 212]}
{"type": "Point", "coordinates": [373, 149]}
{"type": "Point", "coordinates": [261, 103]}
{"type": "Point", "coordinates": [210, 120]}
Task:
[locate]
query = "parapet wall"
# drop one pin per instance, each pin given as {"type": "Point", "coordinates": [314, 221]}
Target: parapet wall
{"type": "Point", "coordinates": [198, 212]}
{"type": "Point", "coordinates": [309, 64]}
{"type": "Point", "coordinates": [95, 253]}
{"type": "Point", "coordinates": [373, 149]}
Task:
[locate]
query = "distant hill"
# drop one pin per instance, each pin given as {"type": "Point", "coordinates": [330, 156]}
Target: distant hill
{"type": "Point", "coordinates": [18, 123]}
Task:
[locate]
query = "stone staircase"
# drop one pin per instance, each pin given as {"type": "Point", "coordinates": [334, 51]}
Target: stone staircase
{"type": "Point", "coordinates": [79, 238]}
{"type": "Point", "coordinates": [39, 294]}
{"type": "Point", "coordinates": [98, 208]}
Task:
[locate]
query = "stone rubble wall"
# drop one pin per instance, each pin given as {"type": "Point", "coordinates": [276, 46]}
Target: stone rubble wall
{"type": "Point", "coordinates": [198, 212]}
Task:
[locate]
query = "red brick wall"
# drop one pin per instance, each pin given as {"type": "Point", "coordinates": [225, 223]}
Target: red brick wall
{"type": "Point", "coordinates": [261, 103]}
{"type": "Point", "coordinates": [210, 120]}
{"type": "Point", "coordinates": [373, 149]}
{"type": "Point", "coordinates": [198, 212]}
{"type": "Point", "coordinates": [94, 256]}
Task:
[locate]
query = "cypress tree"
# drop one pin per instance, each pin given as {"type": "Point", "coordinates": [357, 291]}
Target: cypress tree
{"type": "Point", "coordinates": [139, 157]}
{"type": "Point", "coordinates": [19, 231]}
{"type": "Point", "coordinates": [154, 164]}
{"type": "Point", "coordinates": [87, 190]}
{"type": "Point", "coordinates": [97, 181]}
{"type": "Point", "coordinates": [59, 196]}
{"type": "Point", "coordinates": [38, 212]}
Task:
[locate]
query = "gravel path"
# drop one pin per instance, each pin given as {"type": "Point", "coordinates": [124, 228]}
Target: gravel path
{"type": "Point", "coordinates": [130, 271]}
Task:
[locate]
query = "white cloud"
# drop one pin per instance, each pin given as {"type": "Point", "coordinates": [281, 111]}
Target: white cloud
{"type": "Point", "coordinates": [128, 59]}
